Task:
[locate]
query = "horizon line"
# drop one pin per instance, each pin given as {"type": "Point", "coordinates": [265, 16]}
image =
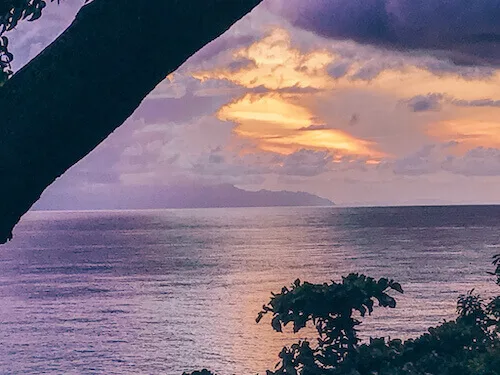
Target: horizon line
{"type": "Point", "coordinates": [335, 206]}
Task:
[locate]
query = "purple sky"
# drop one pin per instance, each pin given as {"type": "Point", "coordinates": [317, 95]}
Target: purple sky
{"type": "Point", "coordinates": [361, 102]}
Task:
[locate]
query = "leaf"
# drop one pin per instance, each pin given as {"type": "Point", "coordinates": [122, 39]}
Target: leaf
{"type": "Point", "coordinates": [391, 302]}
{"type": "Point", "coordinates": [276, 324]}
{"type": "Point", "coordinates": [259, 317]}
{"type": "Point", "coordinates": [383, 283]}
{"type": "Point", "coordinates": [496, 259]}
{"type": "Point", "coordinates": [397, 287]}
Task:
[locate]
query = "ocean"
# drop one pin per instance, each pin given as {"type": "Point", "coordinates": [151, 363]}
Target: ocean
{"type": "Point", "coordinates": [168, 291]}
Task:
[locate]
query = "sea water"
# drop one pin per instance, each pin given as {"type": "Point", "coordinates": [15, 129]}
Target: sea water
{"type": "Point", "coordinates": [167, 291]}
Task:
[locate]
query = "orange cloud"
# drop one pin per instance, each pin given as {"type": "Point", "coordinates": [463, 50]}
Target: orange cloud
{"type": "Point", "coordinates": [280, 126]}
{"type": "Point", "coordinates": [275, 120]}
{"type": "Point", "coordinates": [417, 81]}
{"type": "Point", "coordinates": [330, 139]}
{"type": "Point", "coordinates": [276, 65]}
{"type": "Point", "coordinates": [470, 126]}
{"type": "Point", "coordinates": [271, 110]}
{"type": "Point", "coordinates": [470, 133]}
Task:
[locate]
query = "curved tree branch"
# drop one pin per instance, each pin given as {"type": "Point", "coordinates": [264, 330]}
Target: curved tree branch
{"type": "Point", "coordinates": [68, 99]}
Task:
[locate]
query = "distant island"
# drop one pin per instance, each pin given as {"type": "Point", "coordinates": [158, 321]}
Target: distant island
{"type": "Point", "coordinates": [230, 196]}
{"type": "Point", "coordinates": [186, 196]}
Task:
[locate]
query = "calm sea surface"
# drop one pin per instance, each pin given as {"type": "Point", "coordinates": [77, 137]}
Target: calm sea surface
{"type": "Point", "coordinates": [162, 292]}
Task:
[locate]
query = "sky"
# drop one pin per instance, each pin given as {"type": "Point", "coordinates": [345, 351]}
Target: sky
{"type": "Point", "coordinates": [373, 102]}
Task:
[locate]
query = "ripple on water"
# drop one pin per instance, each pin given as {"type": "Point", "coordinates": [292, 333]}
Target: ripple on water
{"type": "Point", "coordinates": [172, 291]}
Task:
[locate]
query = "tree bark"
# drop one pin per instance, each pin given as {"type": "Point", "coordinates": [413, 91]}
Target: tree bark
{"type": "Point", "coordinates": [83, 86]}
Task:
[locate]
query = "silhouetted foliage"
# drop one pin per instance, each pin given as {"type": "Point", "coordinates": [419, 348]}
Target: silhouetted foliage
{"type": "Point", "coordinates": [469, 345]}
{"type": "Point", "coordinates": [202, 372]}
{"type": "Point", "coordinates": [11, 13]}
{"type": "Point", "coordinates": [331, 308]}
{"type": "Point", "coordinates": [496, 262]}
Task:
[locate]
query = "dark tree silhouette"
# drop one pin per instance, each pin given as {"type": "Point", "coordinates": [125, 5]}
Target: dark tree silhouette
{"type": "Point", "coordinates": [468, 345]}
{"type": "Point", "coordinates": [68, 99]}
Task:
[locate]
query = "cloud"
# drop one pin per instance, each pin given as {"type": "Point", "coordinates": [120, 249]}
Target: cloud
{"type": "Point", "coordinates": [470, 132]}
{"type": "Point", "coordinates": [275, 64]}
{"type": "Point", "coordinates": [435, 158]}
{"type": "Point", "coordinates": [314, 127]}
{"type": "Point", "coordinates": [424, 161]}
{"type": "Point", "coordinates": [480, 161]}
{"type": "Point", "coordinates": [339, 69]}
{"type": "Point", "coordinates": [476, 103]}
{"type": "Point", "coordinates": [277, 124]}
{"type": "Point", "coordinates": [240, 64]}
{"type": "Point", "coordinates": [306, 163]}
{"type": "Point", "coordinates": [425, 103]}
{"type": "Point", "coordinates": [285, 90]}
{"type": "Point", "coordinates": [254, 167]}
{"type": "Point", "coordinates": [435, 101]}
{"type": "Point", "coordinates": [222, 45]}
{"type": "Point", "coordinates": [464, 31]}
{"type": "Point", "coordinates": [181, 99]}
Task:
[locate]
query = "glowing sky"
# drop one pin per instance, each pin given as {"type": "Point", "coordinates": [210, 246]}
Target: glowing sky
{"type": "Point", "coordinates": [279, 102]}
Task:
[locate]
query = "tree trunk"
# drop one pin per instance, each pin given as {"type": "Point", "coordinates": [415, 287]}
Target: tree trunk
{"type": "Point", "coordinates": [83, 86]}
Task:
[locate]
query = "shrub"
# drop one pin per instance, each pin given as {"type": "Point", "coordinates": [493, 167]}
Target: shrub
{"type": "Point", "coordinates": [468, 345]}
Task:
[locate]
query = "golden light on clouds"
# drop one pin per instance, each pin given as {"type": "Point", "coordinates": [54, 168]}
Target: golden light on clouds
{"type": "Point", "coordinates": [280, 126]}
{"type": "Point", "coordinates": [330, 139]}
{"type": "Point", "coordinates": [276, 64]}
{"type": "Point", "coordinates": [471, 126]}
{"type": "Point", "coordinates": [417, 81]}
{"type": "Point", "coordinates": [271, 109]}
{"type": "Point", "coordinates": [276, 120]}
{"type": "Point", "coordinates": [469, 133]}
{"type": "Point", "coordinates": [286, 116]}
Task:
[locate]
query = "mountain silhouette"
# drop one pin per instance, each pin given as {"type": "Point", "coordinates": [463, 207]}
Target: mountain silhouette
{"type": "Point", "coordinates": [185, 196]}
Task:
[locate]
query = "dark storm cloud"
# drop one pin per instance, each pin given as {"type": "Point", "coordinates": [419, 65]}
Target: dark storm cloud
{"type": "Point", "coordinates": [465, 31]}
